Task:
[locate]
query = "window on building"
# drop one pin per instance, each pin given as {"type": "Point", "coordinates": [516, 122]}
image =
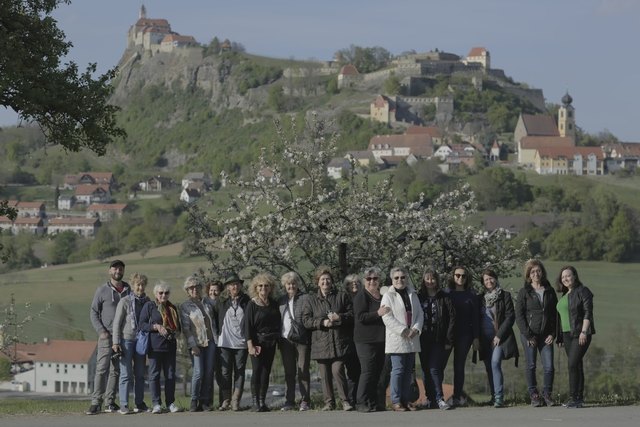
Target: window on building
{"type": "Point", "coordinates": [41, 364]}
{"type": "Point", "coordinates": [57, 370]}
{"type": "Point", "coordinates": [49, 365]}
{"type": "Point", "coordinates": [44, 383]}
{"type": "Point", "coordinates": [73, 366]}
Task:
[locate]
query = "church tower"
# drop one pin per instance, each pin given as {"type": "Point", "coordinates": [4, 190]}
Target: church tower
{"type": "Point", "coordinates": [567, 118]}
{"type": "Point", "coordinates": [143, 12]}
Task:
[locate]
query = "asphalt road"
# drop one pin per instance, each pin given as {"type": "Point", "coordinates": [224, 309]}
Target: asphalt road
{"type": "Point", "coordinates": [521, 416]}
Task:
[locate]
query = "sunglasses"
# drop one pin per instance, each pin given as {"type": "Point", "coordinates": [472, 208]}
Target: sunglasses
{"type": "Point", "coordinates": [163, 292]}
{"type": "Point", "coordinates": [399, 277]}
{"type": "Point", "coordinates": [263, 286]}
{"type": "Point", "coordinates": [460, 275]}
{"type": "Point", "coordinates": [369, 279]}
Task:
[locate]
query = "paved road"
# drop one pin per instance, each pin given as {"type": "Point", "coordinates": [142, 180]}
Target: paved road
{"type": "Point", "coordinates": [625, 416]}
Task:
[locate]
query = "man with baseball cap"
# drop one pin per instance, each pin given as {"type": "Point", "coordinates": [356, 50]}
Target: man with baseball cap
{"type": "Point", "coordinates": [103, 310]}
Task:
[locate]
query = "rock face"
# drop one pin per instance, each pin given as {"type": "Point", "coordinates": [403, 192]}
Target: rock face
{"type": "Point", "coordinates": [184, 69]}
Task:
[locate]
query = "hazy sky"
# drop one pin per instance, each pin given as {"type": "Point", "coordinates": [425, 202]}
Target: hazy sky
{"type": "Point", "coordinates": [588, 47]}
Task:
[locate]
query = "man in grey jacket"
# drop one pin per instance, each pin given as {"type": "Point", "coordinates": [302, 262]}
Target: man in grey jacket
{"type": "Point", "coordinates": [102, 313]}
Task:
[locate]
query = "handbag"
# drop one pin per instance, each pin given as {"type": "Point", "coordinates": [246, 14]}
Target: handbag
{"type": "Point", "coordinates": [142, 343]}
{"type": "Point", "coordinates": [298, 332]}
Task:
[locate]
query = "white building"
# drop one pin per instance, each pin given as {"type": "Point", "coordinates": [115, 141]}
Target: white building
{"type": "Point", "coordinates": [59, 366]}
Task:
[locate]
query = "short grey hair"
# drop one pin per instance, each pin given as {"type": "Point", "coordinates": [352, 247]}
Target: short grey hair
{"type": "Point", "coordinates": [161, 285]}
{"type": "Point", "coordinates": [349, 280]}
{"type": "Point", "coordinates": [191, 281]}
{"type": "Point", "coordinates": [395, 270]}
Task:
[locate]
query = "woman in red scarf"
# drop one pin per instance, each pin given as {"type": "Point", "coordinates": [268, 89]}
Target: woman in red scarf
{"type": "Point", "coordinates": [160, 319]}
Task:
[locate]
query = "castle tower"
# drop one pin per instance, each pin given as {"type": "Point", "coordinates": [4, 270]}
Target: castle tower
{"type": "Point", "coordinates": [567, 118]}
{"type": "Point", "coordinates": [143, 12]}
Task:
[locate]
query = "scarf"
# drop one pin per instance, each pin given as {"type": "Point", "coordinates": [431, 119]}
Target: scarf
{"type": "Point", "coordinates": [169, 316]}
{"type": "Point", "coordinates": [490, 298]}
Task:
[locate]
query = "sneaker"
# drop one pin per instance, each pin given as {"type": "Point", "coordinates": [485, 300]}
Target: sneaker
{"type": "Point", "coordinates": [207, 407]}
{"type": "Point", "coordinates": [548, 400]}
{"type": "Point", "coordinates": [288, 407]}
{"type": "Point", "coordinates": [226, 404]}
{"type": "Point", "coordinates": [329, 407]}
{"type": "Point", "coordinates": [304, 406]}
{"type": "Point", "coordinates": [173, 408]}
{"type": "Point", "coordinates": [124, 410]}
{"type": "Point", "coordinates": [157, 409]}
{"type": "Point", "coordinates": [112, 407]}
{"type": "Point", "coordinates": [498, 403]}
{"type": "Point", "coordinates": [443, 405]}
{"type": "Point", "coordinates": [536, 401]}
{"type": "Point", "coordinates": [141, 408]}
{"type": "Point", "coordinates": [93, 410]}
{"type": "Point", "coordinates": [457, 402]}
{"type": "Point", "coordinates": [347, 406]}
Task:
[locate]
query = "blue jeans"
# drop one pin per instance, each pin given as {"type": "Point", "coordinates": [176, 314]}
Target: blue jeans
{"type": "Point", "coordinates": [493, 366]}
{"type": "Point", "coordinates": [530, 355]}
{"type": "Point", "coordinates": [162, 362]}
{"type": "Point", "coordinates": [129, 373]}
{"type": "Point", "coordinates": [402, 365]}
{"type": "Point", "coordinates": [202, 373]}
{"type": "Point", "coordinates": [432, 359]}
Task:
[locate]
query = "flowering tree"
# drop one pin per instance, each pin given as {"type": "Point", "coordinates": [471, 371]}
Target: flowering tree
{"type": "Point", "coordinates": [291, 216]}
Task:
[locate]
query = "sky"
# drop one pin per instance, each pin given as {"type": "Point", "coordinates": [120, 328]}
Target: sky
{"type": "Point", "coordinates": [586, 47]}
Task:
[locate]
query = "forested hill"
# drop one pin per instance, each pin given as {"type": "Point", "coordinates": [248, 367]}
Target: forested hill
{"type": "Point", "coordinates": [198, 109]}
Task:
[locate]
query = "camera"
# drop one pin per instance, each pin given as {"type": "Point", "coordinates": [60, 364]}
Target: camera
{"type": "Point", "coordinates": [115, 357]}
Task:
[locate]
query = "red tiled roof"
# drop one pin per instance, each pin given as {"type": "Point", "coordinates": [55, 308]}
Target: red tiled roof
{"type": "Point", "coordinates": [476, 51]}
{"type": "Point", "coordinates": [59, 351]}
{"type": "Point", "coordinates": [72, 221]}
{"type": "Point", "coordinates": [540, 125]}
{"type": "Point", "coordinates": [170, 38]}
{"type": "Point", "coordinates": [382, 100]}
{"type": "Point", "coordinates": [349, 70]}
{"type": "Point", "coordinates": [30, 205]}
{"type": "Point", "coordinates": [432, 131]}
{"type": "Point", "coordinates": [107, 207]}
{"type": "Point", "coordinates": [28, 221]}
{"type": "Point", "coordinates": [146, 22]}
{"type": "Point", "coordinates": [627, 149]}
{"type": "Point", "coordinates": [5, 220]}
{"type": "Point", "coordinates": [536, 142]}
{"type": "Point", "coordinates": [88, 189]}
{"type": "Point", "coordinates": [570, 152]}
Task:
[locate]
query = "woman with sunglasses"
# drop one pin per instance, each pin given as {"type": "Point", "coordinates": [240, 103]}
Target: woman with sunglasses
{"type": "Point", "coordinates": [403, 325]}
{"type": "Point", "coordinates": [160, 318]}
{"type": "Point", "coordinates": [198, 326]}
{"type": "Point", "coordinates": [368, 333]}
{"type": "Point", "coordinates": [466, 331]}
{"type": "Point", "coordinates": [262, 329]}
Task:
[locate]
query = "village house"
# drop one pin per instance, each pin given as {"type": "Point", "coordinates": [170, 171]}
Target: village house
{"type": "Point", "coordinates": [478, 55]}
{"type": "Point", "coordinates": [65, 203]}
{"type": "Point", "coordinates": [624, 155]}
{"type": "Point", "coordinates": [388, 147]}
{"type": "Point", "coordinates": [569, 161]}
{"type": "Point", "coordinates": [515, 224]}
{"type": "Point", "coordinates": [95, 178]}
{"type": "Point", "coordinates": [361, 158]}
{"type": "Point", "coordinates": [338, 167]}
{"type": "Point", "coordinates": [383, 110]}
{"type": "Point", "coordinates": [433, 131]}
{"type": "Point", "coordinates": [92, 193]}
{"type": "Point", "coordinates": [87, 227]}
{"type": "Point", "coordinates": [58, 366]}
{"type": "Point", "coordinates": [170, 42]}
{"type": "Point", "coordinates": [106, 212]}
{"type": "Point", "coordinates": [5, 223]}
{"type": "Point", "coordinates": [31, 225]}
{"type": "Point", "coordinates": [28, 209]}
{"type": "Point", "coordinates": [190, 195]}
{"type": "Point", "coordinates": [198, 178]}
{"type": "Point", "coordinates": [156, 184]}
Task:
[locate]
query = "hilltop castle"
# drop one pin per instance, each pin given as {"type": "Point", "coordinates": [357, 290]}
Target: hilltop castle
{"type": "Point", "coordinates": [155, 35]}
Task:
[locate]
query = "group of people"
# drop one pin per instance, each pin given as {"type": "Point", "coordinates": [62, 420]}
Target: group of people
{"type": "Point", "coordinates": [363, 336]}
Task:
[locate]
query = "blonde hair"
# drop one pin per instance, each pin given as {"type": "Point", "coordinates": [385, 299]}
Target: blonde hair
{"type": "Point", "coordinates": [137, 278]}
{"type": "Point", "coordinates": [262, 279]}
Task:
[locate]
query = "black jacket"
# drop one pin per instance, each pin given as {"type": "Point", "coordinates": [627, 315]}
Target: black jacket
{"type": "Point", "coordinates": [444, 332]}
{"type": "Point", "coordinates": [580, 308]}
{"type": "Point", "coordinates": [505, 318]}
{"type": "Point", "coordinates": [332, 342]}
{"type": "Point", "coordinates": [368, 326]}
{"type": "Point", "coordinates": [535, 319]}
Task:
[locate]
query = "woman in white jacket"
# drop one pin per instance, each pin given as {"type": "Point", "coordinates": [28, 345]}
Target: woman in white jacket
{"type": "Point", "coordinates": [403, 325]}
